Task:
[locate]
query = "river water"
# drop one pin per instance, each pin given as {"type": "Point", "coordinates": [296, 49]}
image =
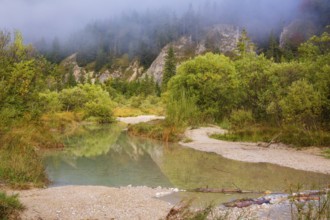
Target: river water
{"type": "Point", "coordinates": [108, 156]}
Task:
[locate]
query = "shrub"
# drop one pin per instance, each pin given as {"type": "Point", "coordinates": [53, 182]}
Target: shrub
{"type": "Point", "coordinates": [102, 111]}
{"type": "Point", "coordinates": [241, 118]}
{"type": "Point", "coordinates": [182, 111]}
{"type": "Point", "coordinates": [9, 206]}
{"type": "Point", "coordinates": [302, 105]}
{"type": "Point", "coordinates": [92, 99]}
{"type": "Point", "coordinates": [50, 102]}
{"type": "Point", "coordinates": [210, 81]}
{"type": "Point", "coordinates": [156, 129]}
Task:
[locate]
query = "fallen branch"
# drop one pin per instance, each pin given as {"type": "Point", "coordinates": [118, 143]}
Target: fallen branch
{"type": "Point", "coordinates": [215, 190]}
{"type": "Point", "coordinates": [273, 140]}
{"type": "Point", "coordinates": [308, 196]}
{"type": "Point", "coordinates": [241, 203]}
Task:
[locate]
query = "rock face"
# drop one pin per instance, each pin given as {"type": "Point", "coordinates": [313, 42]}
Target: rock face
{"type": "Point", "coordinates": [297, 32]}
{"type": "Point", "coordinates": [220, 38]}
{"type": "Point", "coordinates": [70, 65]}
{"type": "Point", "coordinates": [182, 48]}
{"type": "Point", "coordinates": [132, 72]}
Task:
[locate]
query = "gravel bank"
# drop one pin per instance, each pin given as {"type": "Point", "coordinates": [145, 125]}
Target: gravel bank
{"type": "Point", "coordinates": [250, 152]}
{"type": "Point", "coordinates": [94, 202]}
{"type": "Point", "coordinates": [139, 119]}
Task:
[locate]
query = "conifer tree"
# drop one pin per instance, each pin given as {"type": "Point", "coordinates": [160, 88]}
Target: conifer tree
{"type": "Point", "coordinates": [244, 44]}
{"type": "Point", "coordinates": [169, 67]}
{"type": "Point", "coordinates": [71, 81]}
{"type": "Point", "coordinates": [273, 50]}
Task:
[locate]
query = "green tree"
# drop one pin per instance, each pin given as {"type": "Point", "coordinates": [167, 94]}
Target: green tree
{"type": "Point", "coordinates": [71, 79]}
{"type": "Point", "coordinates": [273, 51]}
{"type": "Point", "coordinates": [244, 44]}
{"type": "Point", "coordinates": [281, 77]}
{"type": "Point", "coordinates": [254, 81]}
{"type": "Point", "coordinates": [23, 76]}
{"type": "Point", "coordinates": [211, 81]}
{"type": "Point", "coordinates": [169, 67]}
{"type": "Point", "coordinates": [302, 105]}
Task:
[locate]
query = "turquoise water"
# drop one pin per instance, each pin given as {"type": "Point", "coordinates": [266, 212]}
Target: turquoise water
{"type": "Point", "coordinates": [107, 156]}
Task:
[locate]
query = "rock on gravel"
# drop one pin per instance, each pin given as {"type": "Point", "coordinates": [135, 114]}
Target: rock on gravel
{"type": "Point", "coordinates": [93, 202]}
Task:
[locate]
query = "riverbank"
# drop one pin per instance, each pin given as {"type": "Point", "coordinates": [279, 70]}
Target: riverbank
{"type": "Point", "coordinates": [139, 119]}
{"type": "Point", "coordinates": [98, 202]}
{"type": "Point", "coordinates": [93, 202]}
{"type": "Point", "coordinates": [307, 160]}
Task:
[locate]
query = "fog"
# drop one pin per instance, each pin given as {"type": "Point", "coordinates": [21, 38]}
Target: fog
{"type": "Point", "coordinates": [50, 18]}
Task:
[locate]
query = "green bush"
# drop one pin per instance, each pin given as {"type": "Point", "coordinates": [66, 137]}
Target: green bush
{"type": "Point", "coordinates": [102, 111]}
{"type": "Point", "coordinates": [50, 102]}
{"type": "Point", "coordinates": [73, 98]}
{"type": "Point", "coordinates": [182, 111]}
{"type": "Point", "coordinates": [302, 105]}
{"type": "Point", "coordinates": [20, 164]}
{"type": "Point", "coordinates": [241, 118]}
{"type": "Point", "coordinates": [293, 135]}
{"type": "Point", "coordinates": [210, 81]}
{"type": "Point", "coordinates": [91, 99]}
{"type": "Point", "coordinates": [156, 129]}
{"type": "Point", "coordinates": [9, 206]}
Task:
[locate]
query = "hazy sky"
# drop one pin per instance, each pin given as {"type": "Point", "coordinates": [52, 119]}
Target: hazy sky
{"type": "Point", "coordinates": [49, 18]}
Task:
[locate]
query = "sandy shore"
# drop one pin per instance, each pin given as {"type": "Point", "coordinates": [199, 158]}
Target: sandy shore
{"type": "Point", "coordinates": [307, 160]}
{"type": "Point", "coordinates": [139, 119]}
{"type": "Point", "coordinates": [93, 202]}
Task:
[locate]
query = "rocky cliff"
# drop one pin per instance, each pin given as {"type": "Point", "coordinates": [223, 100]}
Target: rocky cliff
{"type": "Point", "coordinates": [130, 73]}
{"type": "Point", "coordinates": [220, 38]}
{"type": "Point", "coordinates": [297, 32]}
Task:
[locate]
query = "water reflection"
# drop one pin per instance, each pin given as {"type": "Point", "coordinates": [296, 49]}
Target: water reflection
{"type": "Point", "coordinates": [107, 156]}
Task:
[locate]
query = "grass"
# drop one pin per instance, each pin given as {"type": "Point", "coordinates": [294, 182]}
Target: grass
{"type": "Point", "coordinates": [127, 112]}
{"type": "Point", "coordinates": [326, 153]}
{"type": "Point", "coordinates": [9, 206]}
{"type": "Point", "coordinates": [294, 136]}
{"type": "Point", "coordinates": [157, 129]}
{"type": "Point", "coordinates": [139, 105]}
{"type": "Point", "coordinates": [185, 210]}
{"type": "Point", "coordinates": [20, 163]}
{"type": "Point", "coordinates": [316, 209]}
{"type": "Point", "coordinates": [253, 134]}
{"type": "Point", "coordinates": [62, 121]}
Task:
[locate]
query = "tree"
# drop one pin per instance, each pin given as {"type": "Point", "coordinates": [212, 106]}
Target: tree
{"type": "Point", "coordinates": [302, 105]}
{"type": "Point", "coordinates": [71, 80]}
{"type": "Point", "coordinates": [169, 67]}
{"type": "Point", "coordinates": [273, 51]}
{"type": "Point", "coordinates": [244, 44]}
{"type": "Point", "coordinates": [55, 53]}
{"type": "Point", "coordinates": [211, 81]}
{"type": "Point", "coordinates": [22, 77]}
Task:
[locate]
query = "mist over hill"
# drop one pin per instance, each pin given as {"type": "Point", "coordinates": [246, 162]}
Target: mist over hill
{"type": "Point", "coordinates": [103, 30]}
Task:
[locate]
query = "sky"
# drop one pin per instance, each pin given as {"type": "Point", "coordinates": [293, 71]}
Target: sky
{"type": "Point", "coordinates": [49, 18]}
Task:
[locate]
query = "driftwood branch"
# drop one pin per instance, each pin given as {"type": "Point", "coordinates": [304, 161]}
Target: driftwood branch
{"type": "Point", "coordinates": [241, 203]}
{"type": "Point", "coordinates": [272, 141]}
{"type": "Point", "coordinates": [215, 190]}
{"type": "Point", "coordinates": [308, 196]}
